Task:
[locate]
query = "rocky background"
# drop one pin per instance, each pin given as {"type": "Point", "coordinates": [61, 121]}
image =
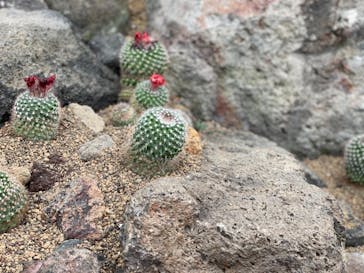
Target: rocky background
{"type": "Point", "coordinates": [285, 76]}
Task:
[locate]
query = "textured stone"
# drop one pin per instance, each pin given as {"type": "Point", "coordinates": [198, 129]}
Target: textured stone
{"type": "Point", "coordinates": [249, 209]}
{"type": "Point", "coordinates": [289, 70]}
{"type": "Point", "coordinates": [107, 49]}
{"type": "Point", "coordinates": [42, 41]}
{"type": "Point", "coordinates": [354, 262]}
{"type": "Point", "coordinates": [95, 147]}
{"type": "Point", "coordinates": [42, 178]}
{"type": "Point", "coordinates": [88, 117]}
{"type": "Point", "coordinates": [23, 4]}
{"type": "Point", "coordinates": [92, 16]}
{"type": "Point", "coordinates": [78, 209]}
{"type": "Point", "coordinates": [67, 258]}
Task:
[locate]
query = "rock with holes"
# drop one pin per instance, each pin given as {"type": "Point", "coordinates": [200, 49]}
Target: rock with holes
{"type": "Point", "coordinates": [249, 209]}
{"type": "Point", "coordinates": [289, 70]}
{"type": "Point", "coordinates": [78, 210]}
{"type": "Point", "coordinates": [38, 41]}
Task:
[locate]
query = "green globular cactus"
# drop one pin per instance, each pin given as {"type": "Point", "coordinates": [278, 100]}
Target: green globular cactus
{"type": "Point", "coordinates": [151, 93]}
{"type": "Point", "coordinates": [354, 159]}
{"type": "Point", "coordinates": [159, 135]}
{"type": "Point", "coordinates": [141, 58]}
{"type": "Point", "coordinates": [36, 112]}
{"type": "Point", "coordinates": [13, 202]}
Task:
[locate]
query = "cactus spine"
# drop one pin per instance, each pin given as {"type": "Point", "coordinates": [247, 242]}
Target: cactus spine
{"type": "Point", "coordinates": [36, 112]}
{"type": "Point", "coordinates": [354, 159]}
{"type": "Point", "coordinates": [151, 93]}
{"type": "Point", "coordinates": [13, 202]}
{"type": "Point", "coordinates": [141, 58]}
{"type": "Point", "coordinates": [159, 135]}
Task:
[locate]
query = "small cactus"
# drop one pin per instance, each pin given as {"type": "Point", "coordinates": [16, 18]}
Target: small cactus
{"type": "Point", "coordinates": [36, 112]}
{"type": "Point", "coordinates": [159, 135]}
{"type": "Point", "coordinates": [151, 93]}
{"type": "Point", "coordinates": [13, 202]}
{"type": "Point", "coordinates": [123, 114]}
{"type": "Point", "coordinates": [141, 58]}
{"type": "Point", "coordinates": [354, 159]}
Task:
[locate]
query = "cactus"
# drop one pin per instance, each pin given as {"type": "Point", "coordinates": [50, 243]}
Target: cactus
{"type": "Point", "coordinates": [36, 112]}
{"type": "Point", "coordinates": [151, 93]}
{"type": "Point", "coordinates": [13, 202]}
{"type": "Point", "coordinates": [141, 58]}
{"type": "Point", "coordinates": [159, 135]}
{"type": "Point", "coordinates": [122, 115]}
{"type": "Point", "coordinates": [354, 159]}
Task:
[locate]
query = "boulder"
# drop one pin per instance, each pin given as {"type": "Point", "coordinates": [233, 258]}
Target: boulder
{"type": "Point", "coordinates": [93, 16]}
{"type": "Point", "coordinates": [23, 4]}
{"type": "Point", "coordinates": [289, 70]}
{"type": "Point", "coordinates": [42, 41]}
{"type": "Point", "coordinates": [249, 209]}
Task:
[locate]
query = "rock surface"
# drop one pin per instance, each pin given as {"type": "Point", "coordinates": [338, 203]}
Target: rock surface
{"type": "Point", "coordinates": [42, 41]}
{"type": "Point", "coordinates": [107, 49]}
{"type": "Point", "coordinates": [249, 209]}
{"type": "Point", "coordinates": [78, 209]}
{"type": "Point", "coordinates": [354, 262]}
{"type": "Point", "coordinates": [88, 117]}
{"type": "Point", "coordinates": [95, 147]}
{"type": "Point", "coordinates": [67, 258]}
{"type": "Point", "coordinates": [23, 4]}
{"type": "Point", "coordinates": [91, 16]}
{"type": "Point", "coordinates": [289, 70]}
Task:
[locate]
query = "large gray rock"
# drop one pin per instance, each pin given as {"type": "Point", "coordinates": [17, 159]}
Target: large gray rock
{"type": "Point", "coordinates": [289, 70]}
{"type": "Point", "coordinates": [23, 4]}
{"type": "Point", "coordinates": [92, 16]}
{"type": "Point", "coordinates": [42, 41]}
{"type": "Point", "coordinates": [249, 209]}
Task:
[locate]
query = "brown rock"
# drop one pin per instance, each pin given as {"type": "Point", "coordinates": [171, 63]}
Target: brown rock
{"type": "Point", "coordinates": [193, 144]}
{"type": "Point", "coordinates": [42, 178]}
{"type": "Point", "coordinates": [67, 258]}
{"type": "Point", "coordinates": [77, 209]}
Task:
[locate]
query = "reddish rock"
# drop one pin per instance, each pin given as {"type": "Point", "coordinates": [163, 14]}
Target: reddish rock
{"type": "Point", "coordinates": [67, 258]}
{"type": "Point", "coordinates": [42, 178]}
{"type": "Point", "coordinates": [78, 210]}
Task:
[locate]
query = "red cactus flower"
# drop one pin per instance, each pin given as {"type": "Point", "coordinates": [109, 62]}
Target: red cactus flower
{"type": "Point", "coordinates": [142, 39]}
{"type": "Point", "coordinates": [38, 87]}
{"type": "Point", "coordinates": [157, 80]}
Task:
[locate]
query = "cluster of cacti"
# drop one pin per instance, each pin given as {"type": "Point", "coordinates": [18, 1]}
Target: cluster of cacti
{"type": "Point", "coordinates": [123, 114]}
{"type": "Point", "coordinates": [159, 134]}
{"type": "Point", "coordinates": [13, 202]}
{"type": "Point", "coordinates": [151, 93]}
{"type": "Point", "coordinates": [36, 112]}
{"type": "Point", "coordinates": [354, 159]}
{"type": "Point", "coordinates": [141, 58]}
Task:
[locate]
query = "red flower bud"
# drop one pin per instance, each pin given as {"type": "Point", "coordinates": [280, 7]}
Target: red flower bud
{"type": "Point", "coordinates": [142, 40]}
{"type": "Point", "coordinates": [39, 87]}
{"type": "Point", "coordinates": [157, 80]}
